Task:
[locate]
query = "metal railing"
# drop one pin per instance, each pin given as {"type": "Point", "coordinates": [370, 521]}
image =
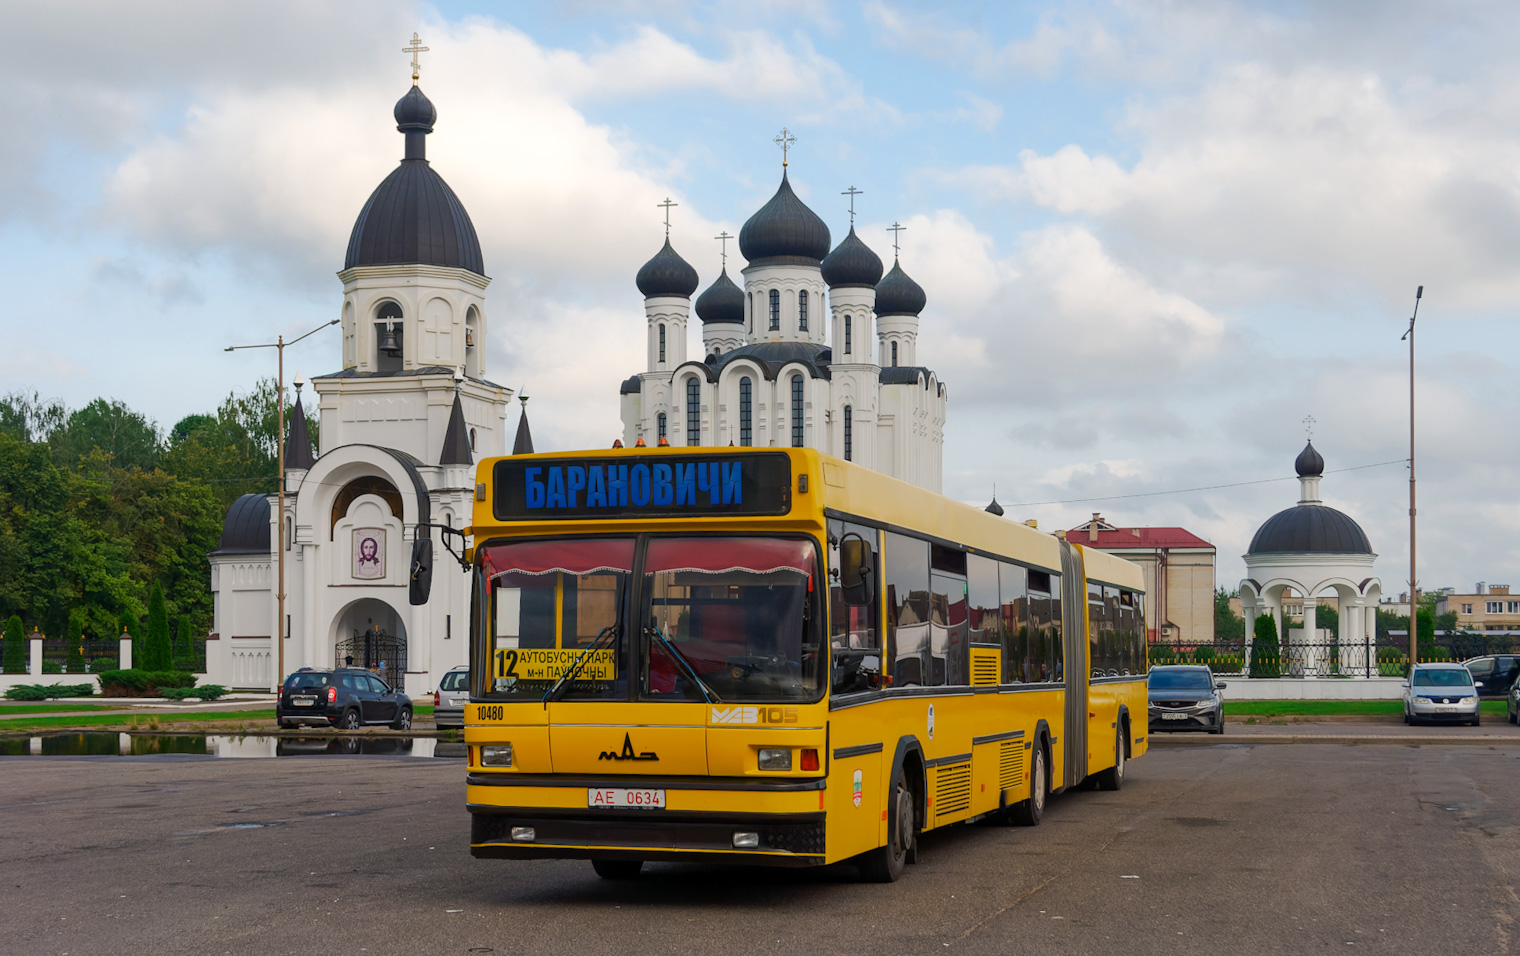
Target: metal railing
{"type": "Point", "coordinates": [1383, 657]}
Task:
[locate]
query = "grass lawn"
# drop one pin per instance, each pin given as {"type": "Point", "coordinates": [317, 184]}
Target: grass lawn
{"type": "Point", "coordinates": [51, 708]}
{"type": "Point", "coordinates": [1331, 708]}
{"type": "Point", "coordinates": [135, 721]}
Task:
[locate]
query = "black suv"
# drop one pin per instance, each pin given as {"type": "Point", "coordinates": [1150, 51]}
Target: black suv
{"type": "Point", "coordinates": [1495, 674]}
{"type": "Point", "coordinates": [346, 697]}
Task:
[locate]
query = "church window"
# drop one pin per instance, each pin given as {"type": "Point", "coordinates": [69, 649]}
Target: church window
{"type": "Point", "coordinates": [849, 324]}
{"type": "Point", "coordinates": [472, 440]}
{"type": "Point", "coordinates": [693, 412]}
{"type": "Point", "coordinates": [802, 310]}
{"type": "Point", "coordinates": [660, 421]}
{"type": "Point", "coordinates": [775, 309]}
{"type": "Point", "coordinates": [746, 437]}
{"type": "Point", "coordinates": [797, 425]}
{"type": "Point", "coordinates": [662, 341]}
{"type": "Point", "coordinates": [849, 433]}
{"type": "Point", "coordinates": [894, 355]}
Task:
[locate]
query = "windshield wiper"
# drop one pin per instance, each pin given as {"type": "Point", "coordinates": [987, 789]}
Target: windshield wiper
{"type": "Point", "coordinates": [575, 665]}
{"type": "Point", "coordinates": [680, 659]}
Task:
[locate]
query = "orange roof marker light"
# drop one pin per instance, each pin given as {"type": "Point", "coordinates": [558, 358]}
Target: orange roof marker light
{"type": "Point", "coordinates": [639, 444]}
{"type": "Point", "coordinates": [617, 443]}
{"type": "Point", "coordinates": [664, 442]}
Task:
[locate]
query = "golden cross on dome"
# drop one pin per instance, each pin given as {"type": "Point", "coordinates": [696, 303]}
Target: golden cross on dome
{"type": "Point", "coordinates": [723, 238]}
{"type": "Point", "coordinates": [415, 49]}
{"type": "Point", "coordinates": [896, 231]}
{"type": "Point", "coordinates": [1309, 426]}
{"type": "Point", "coordinates": [784, 139]}
{"type": "Point", "coordinates": [852, 192]}
{"type": "Point", "coordinates": [666, 206]}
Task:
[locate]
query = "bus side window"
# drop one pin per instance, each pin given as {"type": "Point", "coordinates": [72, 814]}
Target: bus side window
{"type": "Point", "coordinates": [1099, 631]}
{"type": "Point", "coordinates": [982, 625]}
{"type": "Point", "coordinates": [1013, 596]}
{"type": "Point", "coordinates": [907, 582]}
{"type": "Point", "coordinates": [854, 631]}
{"type": "Point", "coordinates": [948, 653]}
{"type": "Point", "coordinates": [1045, 627]}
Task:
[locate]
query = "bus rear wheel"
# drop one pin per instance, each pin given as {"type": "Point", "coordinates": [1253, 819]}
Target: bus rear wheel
{"type": "Point", "coordinates": [886, 863]}
{"type": "Point", "coordinates": [1113, 777]}
{"type": "Point", "coordinates": [617, 869]}
{"type": "Point", "coordinates": [1028, 812]}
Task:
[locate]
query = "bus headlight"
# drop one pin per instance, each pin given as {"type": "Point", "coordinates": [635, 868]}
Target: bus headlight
{"type": "Point", "coordinates": [775, 758]}
{"type": "Point", "coordinates": [496, 755]}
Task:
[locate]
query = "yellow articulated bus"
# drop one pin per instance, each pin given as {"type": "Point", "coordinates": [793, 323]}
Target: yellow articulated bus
{"type": "Point", "coordinates": [777, 657]}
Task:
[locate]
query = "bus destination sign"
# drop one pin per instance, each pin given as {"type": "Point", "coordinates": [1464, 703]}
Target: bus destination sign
{"type": "Point", "coordinates": [632, 486]}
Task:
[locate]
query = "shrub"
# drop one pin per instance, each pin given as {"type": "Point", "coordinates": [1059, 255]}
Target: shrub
{"type": "Point", "coordinates": [102, 664]}
{"type": "Point", "coordinates": [155, 653]}
{"type": "Point", "coordinates": [74, 635]}
{"type": "Point", "coordinates": [52, 667]}
{"type": "Point", "coordinates": [183, 648]}
{"type": "Point", "coordinates": [13, 659]}
{"type": "Point", "coordinates": [1434, 653]}
{"type": "Point", "coordinates": [203, 692]}
{"type": "Point", "coordinates": [51, 692]}
{"type": "Point", "coordinates": [1203, 655]}
{"type": "Point", "coordinates": [1266, 655]}
{"type": "Point", "coordinates": [142, 683]}
{"type": "Point", "coordinates": [1392, 662]}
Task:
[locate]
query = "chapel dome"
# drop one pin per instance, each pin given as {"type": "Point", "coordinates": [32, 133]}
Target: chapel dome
{"type": "Point", "coordinates": [246, 528]}
{"type": "Point", "coordinates": [722, 302]}
{"type": "Point", "coordinates": [1309, 464]}
{"type": "Point", "coordinates": [785, 230]}
{"type": "Point", "coordinates": [667, 274]}
{"type": "Point", "coordinates": [897, 294]}
{"type": "Point", "coordinates": [852, 263]}
{"type": "Point", "coordinates": [1310, 529]}
{"type": "Point", "coordinates": [413, 217]}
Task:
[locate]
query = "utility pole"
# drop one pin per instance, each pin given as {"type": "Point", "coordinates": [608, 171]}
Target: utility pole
{"type": "Point", "coordinates": [1414, 592]}
{"type": "Point", "coordinates": [279, 625]}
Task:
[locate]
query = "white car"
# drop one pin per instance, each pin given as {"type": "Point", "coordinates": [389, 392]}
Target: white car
{"type": "Point", "coordinates": [449, 699]}
{"type": "Point", "coordinates": [1440, 693]}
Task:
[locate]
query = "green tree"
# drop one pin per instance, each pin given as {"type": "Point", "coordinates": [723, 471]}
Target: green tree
{"type": "Point", "coordinates": [1266, 653]}
{"type": "Point", "coordinates": [128, 439]}
{"type": "Point", "coordinates": [155, 655]}
{"type": "Point", "coordinates": [1228, 626]}
{"type": "Point", "coordinates": [132, 627]}
{"type": "Point", "coordinates": [1327, 617]}
{"type": "Point", "coordinates": [1425, 626]}
{"type": "Point", "coordinates": [14, 656]}
{"type": "Point", "coordinates": [30, 418]}
{"type": "Point", "coordinates": [184, 647]}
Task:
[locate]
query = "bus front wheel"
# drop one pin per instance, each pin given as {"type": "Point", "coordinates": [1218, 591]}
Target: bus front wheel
{"type": "Point", "coordinates": [617, 869]}
{"type": "Point", "coordinates": [1028, 812]}
{"type": "Point", "coordinates": [886, 863]}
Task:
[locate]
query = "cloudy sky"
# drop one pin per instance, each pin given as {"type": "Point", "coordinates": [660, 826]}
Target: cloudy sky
{"type": "Point", "coordinates": [1154, 236]}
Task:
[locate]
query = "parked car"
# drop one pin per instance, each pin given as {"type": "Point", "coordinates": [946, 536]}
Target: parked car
{"type": "Point", "coordinates": [1512, 704]}
{"type": "Point", "coordinates": [1185, 697]}
{"type": "Point", "coordinates": [1440, 693]}
{"type": "Point", "coordinates": [449, 699]}
{"type": "Point", "coordinates": [1494, 674]}
{"type": "Point", "coordinates": [346, 697]}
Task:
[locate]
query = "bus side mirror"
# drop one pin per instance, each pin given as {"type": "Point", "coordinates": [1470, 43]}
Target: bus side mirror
{"type": "Point", "coordinates": [420, 576]}
{"type": "Point", "coordinates": [857, 571]}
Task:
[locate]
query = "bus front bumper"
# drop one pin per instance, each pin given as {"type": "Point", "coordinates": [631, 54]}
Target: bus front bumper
{"type": "Point", "coordinates": [525, 832]}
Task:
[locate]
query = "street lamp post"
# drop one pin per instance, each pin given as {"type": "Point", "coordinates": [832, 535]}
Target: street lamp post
{"type": "Point", "coordinates": [279, 625]}
{"type": "Point", "coordinates": [1414, 593]}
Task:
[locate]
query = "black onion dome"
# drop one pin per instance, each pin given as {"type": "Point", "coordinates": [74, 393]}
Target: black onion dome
{"type": "Point", "coordinates": [785, 230]}
{"type": "Point", "coordinates": [415, 111]}
{"type": "Point", "coordinates": [246, 529]}
{"type": "Point", "coordinates": [852, 263]}
{"type": "Point", "coordinates": [667, 274]}
{"type": "Point", "coordinates": [413, 217]}
{"type": "Point", "coordinates": [994, 508]}
{"type": "Point", "coordinates": [1310, 529]}
{"type": "Point", "coordinates": [1309, 464]}
{"type": "Point", "coordinates": [899, 295]}
{"type": "Point", "coordinates": [722, 302]}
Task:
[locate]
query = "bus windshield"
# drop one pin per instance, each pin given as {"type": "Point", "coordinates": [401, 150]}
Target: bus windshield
{"type": "Point", "coordinates": [731, 618]}
{"type": "Point", "coordinates": [550, 601]}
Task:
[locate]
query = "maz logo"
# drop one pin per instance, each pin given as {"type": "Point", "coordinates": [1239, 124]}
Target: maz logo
{"type": "Point", "coordinates": [627, 752]}
{"type": "Point", "coordinates": [754, 715]}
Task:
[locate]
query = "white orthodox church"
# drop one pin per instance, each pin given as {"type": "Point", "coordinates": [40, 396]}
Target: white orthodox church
{"type": "Point", "coordinates": [401, 427]}
{"type": "Point", "coordinates": [817, 350]}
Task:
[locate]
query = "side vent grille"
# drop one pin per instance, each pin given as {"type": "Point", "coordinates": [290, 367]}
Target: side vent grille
{"type": "Point", "coordinates": [985, 666]}
{"type": "Point", "coordinates": [1011, 764]}
{"type": "Point", "coordinates": [952, 789]}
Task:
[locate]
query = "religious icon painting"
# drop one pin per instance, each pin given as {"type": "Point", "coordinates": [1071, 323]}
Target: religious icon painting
{"type": "Point", "coordinates": [369, 553]}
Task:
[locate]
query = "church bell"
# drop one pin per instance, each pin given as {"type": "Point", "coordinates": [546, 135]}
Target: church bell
{"type": "Point", "coordinates": [390, 344]}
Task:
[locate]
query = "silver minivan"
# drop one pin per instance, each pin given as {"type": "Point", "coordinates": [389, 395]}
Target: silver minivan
{"type": "Point", "coordinates": [449, 699]}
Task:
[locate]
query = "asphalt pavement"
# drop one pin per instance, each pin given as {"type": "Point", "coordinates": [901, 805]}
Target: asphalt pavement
{"type": "Point", "coordinates": [1229, 847]}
